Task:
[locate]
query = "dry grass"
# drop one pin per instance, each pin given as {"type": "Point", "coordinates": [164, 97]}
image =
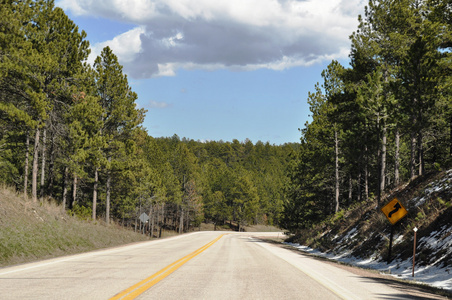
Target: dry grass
{"type": "Point", "coordinates": [262, 228]}
{"type": "Point", "coordinates": [31, 231]}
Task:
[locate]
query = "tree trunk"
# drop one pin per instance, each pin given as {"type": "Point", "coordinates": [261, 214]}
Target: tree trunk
{"type": "Point", "coordinates": [152, 213]}
{"type": "Point", "coordinates": [43, 161]}
{"type": "Point", "coordinates": [421, 154]}
{"type": "Point", "coordinates": [397, 158]}
{"type": "Point", "coordinates": [34, 176]}
{"type": "Point", "coordinates": [450, 135]}
{"type": "Point", "coordinates": [74, 191]}
{"type": "Point", "coordinates": [157, 214]}
{"type": "Point", "coordinates": [350, 189]}
{"type": "Point", "coordinates": [51, 175]}
{"type": "Point", "coordinates": [366, 177]}
{"type": "Point", "coordinates": [336, 147]}
{"type": "Point", "coordinates": [66, 173]}
{"type": "Point", "coordinates": [359, 187]}
{"type": "Point", "coordinates": [413, 155]}
{"type": "Point", "coordinates": [162, 220]}
{"type": "Point", "coordinates": [27, 153]}
{"type": "Point", "coordinates": [96, 183]}
{"type": "Point", "coordinates": [187, 221]}
{"type": "Point", "coordinates": [383, 160]}
{"type": "Point", "coordinates": [107, 204]}
{"type": "Point", "coordinates": [181, 222]}
{"type": "Point", "coordinates": [136, 221]}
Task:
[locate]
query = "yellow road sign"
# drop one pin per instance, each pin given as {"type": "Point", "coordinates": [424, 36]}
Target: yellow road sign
{"type": "Point", "coordinates": [394, 211]}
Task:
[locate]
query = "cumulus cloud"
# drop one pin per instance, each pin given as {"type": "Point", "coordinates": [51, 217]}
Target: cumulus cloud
{"type": "Point", "coordinates": [233, 34]}
{"type": "Point", "coordinates": [126, 54]}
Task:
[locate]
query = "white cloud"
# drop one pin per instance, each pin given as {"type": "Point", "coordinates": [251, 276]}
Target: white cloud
{"type": "Point", "coordinates": [126, 46]}
{"type": "Point", "coordinates": [156, 104]}
{"type": "Point", "coordinates": [235, 34]}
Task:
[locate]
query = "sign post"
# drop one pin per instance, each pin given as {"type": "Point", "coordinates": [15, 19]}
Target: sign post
{"type": "Point", "coordinates": [414, 249]}
{"type": "Point", "coordinates": [391, 237]}
{"type": "Point", "coordinates": [394, 212]}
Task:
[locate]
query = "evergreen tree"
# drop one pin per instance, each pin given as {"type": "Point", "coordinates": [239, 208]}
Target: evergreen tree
{"type": "Point", "coordinates": [120, 117]}
{"type": "Point", "coordinates": [398, 88]}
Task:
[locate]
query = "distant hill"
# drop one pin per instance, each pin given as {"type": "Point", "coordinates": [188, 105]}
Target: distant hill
{"type": "Point", "coordinates": [362, 232]}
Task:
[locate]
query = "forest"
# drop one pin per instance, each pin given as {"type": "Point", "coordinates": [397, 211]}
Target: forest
{"type": "Point", "coordinates": [381, 122]}
{"type": "Point", "coordinates": [72, 132]}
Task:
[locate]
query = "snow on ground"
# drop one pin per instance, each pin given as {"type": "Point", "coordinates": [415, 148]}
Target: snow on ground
{"type": "Point", "coordinates": [440, 277]}
{"type": "Point", "coordinates": [438, 273]}
{"type": "Point", "coordinates": [443, 184]}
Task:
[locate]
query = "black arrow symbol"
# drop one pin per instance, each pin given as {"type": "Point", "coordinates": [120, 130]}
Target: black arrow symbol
{"type": "Point", "coordinates": [396, 209]}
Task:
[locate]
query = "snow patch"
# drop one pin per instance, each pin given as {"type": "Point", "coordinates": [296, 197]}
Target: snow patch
{"type": "Point", "coordinates": [444, 183]}
{"type": "Point", "coordinates": [432, 275]}
{"type": "Point", "coordinates": [439, 243]}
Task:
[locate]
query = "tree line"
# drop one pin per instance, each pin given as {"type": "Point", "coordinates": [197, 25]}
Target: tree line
{"type": "Point", "coordinates": [72, 132]}
{"type": "Point", "coordinates": [382, 121]}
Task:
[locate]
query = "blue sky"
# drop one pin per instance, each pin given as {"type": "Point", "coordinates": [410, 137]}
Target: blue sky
{"type": "Point", "coordinates": [223, 69]}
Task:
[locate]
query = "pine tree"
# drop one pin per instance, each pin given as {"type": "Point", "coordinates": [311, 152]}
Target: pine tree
{"type": "Point", "coordinates": [120, 117]}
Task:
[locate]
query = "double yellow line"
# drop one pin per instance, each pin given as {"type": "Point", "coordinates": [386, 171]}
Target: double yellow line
{"type": "Point", "coordinates": [142, 286]}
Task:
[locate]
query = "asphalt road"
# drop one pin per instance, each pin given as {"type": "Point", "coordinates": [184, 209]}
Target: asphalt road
{"type": "Point", "coordinates": [201, 265]}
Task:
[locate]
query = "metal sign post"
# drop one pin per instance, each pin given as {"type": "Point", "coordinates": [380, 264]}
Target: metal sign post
{"type": "Point", "coordinates": [390, 245]}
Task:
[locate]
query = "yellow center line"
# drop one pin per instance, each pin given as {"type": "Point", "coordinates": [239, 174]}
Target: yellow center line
{"type": "Point", "coordinates": [142, 286]}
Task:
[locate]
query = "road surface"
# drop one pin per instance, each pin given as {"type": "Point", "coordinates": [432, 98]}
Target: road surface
{"type": "Point", "coordinates": [201, 265]}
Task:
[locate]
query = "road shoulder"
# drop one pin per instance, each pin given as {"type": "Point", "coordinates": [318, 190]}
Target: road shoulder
{"type": "Point", "coordinates": [413, 289]}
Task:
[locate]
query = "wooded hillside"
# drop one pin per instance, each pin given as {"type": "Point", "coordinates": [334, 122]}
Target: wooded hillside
{"type": "Point", "coordinates": [72, 132]}
{"type": "Point", "coordinates": [382, 121]}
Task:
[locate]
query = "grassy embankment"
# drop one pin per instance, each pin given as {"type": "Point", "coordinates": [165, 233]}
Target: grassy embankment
{"type": "Point", "coordinates": [32, 231]}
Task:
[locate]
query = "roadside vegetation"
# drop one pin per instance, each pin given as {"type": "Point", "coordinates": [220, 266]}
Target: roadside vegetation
{"type": "Point", "coordinates": [362, 232]}
{"type": "Point", "coordinates": [380, 123]}
{"type": "Point", "coordinates": [381, 129]}
{"type": "Point", "coordinates": [360, 236]}
{"type": "Point", "coordinates": [31, 231]}
{"type": "Point", "coordinates": [71, 133]}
